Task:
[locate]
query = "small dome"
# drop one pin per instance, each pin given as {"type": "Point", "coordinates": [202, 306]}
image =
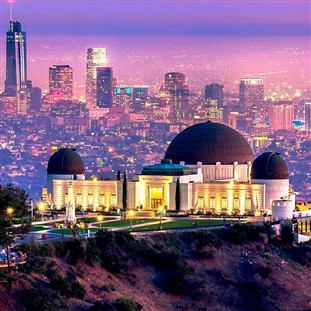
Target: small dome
{"type": "Point", "coordinates": [209, 143]}
{"type": "Point", "coordinates": [269, 165]}
{"type": "Point", "coordinates": [65, 161]}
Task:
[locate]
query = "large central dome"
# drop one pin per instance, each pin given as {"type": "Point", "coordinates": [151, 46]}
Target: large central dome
{"type": "Point", "coordinates": [209, 143]}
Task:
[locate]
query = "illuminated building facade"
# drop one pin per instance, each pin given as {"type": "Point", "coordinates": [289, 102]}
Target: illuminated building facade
{"type": "Point", "coordinates": [16, 66]}
{"type": "Point", "coordinates": [123, 97]}
{"type": "Point", "coordinates": [308, 116]}
{"type": "Point", "coordinates": [61, 79]}
{"type": "Point", "coordinates": [281, 116]}
{"type": "Point", "coordinates": [104, 87]}
{"type": "Point", "coordinates": [178, 91]}
{"type": "Point", "coordinates": [212, 162]}
{"type": "Point", "coordinates": [96, 57]}
{"type": "Point", "coordinates": [140, 96]}
{"type": "Point", "coordinates": [251, 95]}
{"type": "Point", "coordinates": [214, 91]}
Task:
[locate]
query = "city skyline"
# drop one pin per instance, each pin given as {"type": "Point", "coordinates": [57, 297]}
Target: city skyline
{"type": "Point", "coordinates": [181, 48]}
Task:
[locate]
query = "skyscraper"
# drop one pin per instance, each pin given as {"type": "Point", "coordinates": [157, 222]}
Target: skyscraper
{"type": "Point", "coordinates": [61, 79]}
{"type": "Point", "coordinates": [123, 97]}
{"type": "Point", "coordinates": [96, 57]}
{"type": "Point", "coordinates": [251, 94]}
{"type": "Point", "coordinates": [214, 91]}
{"type": "Point", "coordinates": [104, 87]}
{"type": "Point", "coordinates": [179, 94]}
{"type": "Point", "coordinates": [281, 115]}
{"type": "Point", "coordinates": [16, 66]}
{"type": "Point", "coordinates": [308, 116]}
{"type": "Point", "coordinates": [140, 96]}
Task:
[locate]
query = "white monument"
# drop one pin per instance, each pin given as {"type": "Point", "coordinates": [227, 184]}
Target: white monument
{"type": "Point", "coordinates": [70, 207]}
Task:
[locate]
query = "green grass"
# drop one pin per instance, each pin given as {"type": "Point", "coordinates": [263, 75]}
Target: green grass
{"type": "Point", "coordinates": [125, 223]}
{"type": "Point", "coordinates": [187, 223]}
{"type": "Point", "coordinates": [39, 228]}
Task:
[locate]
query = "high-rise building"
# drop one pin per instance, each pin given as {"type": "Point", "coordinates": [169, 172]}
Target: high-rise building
{"type": "Point", "coordinates": [140, 96]}
{"type": "Point", "coordinates": [96, 57]}
{"type": "Point", "coordinates": [61, 79]}
{"type": "Point", "coordinates": [16, 66]}
{"type": "Point", "coordinates": [281, 116]}
{"type": "Point", "coordinates": [251, 94]}
{"type": "Point", "coordinates": [214, 91]}
{"type": "Point", "coordinates": [35, 99]}
{"type": "Point", "coordinates": [104, 87]}
{"type": "Point", "coordinates": [308, 116]}
{"type": "Point", "coordinates": [123, 97]}
{"type": "Point", "coordinates": [179, 95]}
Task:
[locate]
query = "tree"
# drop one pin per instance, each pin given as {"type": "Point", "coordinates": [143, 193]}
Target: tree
{"type": "Point", "coordinates": [177, 195]}
{"type": "Point", "coordinates": [8, 233]}
{"type": "Point", "coordinates": [15, 198]}
{"type": "Point", "coordinates": [118, 176]}
{"type": "Point", "coordinates": [124, 193]}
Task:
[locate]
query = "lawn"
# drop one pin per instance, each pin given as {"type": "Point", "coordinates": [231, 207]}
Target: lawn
{"type": "Point", "coordinates": [125, 223]}
{"type": "Point", "coordinates": [186, 223]}
{"type": "Point", "coordinates": [39, 228]}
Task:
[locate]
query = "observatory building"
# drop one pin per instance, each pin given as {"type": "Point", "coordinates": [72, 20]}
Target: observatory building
{"type": "Point", "coordinates": [212, 164]}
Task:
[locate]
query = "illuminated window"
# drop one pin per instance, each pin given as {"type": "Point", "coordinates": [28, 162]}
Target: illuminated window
{"type": "Point", "coordinates": [248, 204]}
{"type": "Point", "coordinates": [102, 199]}
{"type": "Point", "coordinates": [90, 199]}
{"type": "Point", "coordinates": [212, 203]}
{"type": "Point", "coordinates": [236, 204]}
{"type": "Point", "coordinates": [79, 199]}
{"type": "Point", "coordinates": [114, 200]}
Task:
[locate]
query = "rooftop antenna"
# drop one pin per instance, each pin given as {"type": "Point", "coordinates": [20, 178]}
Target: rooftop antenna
{"type": "Point", "coordinates": [11, 10]}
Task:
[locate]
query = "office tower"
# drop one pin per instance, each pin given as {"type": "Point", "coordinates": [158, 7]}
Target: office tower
{"type": "Point", "coordinates": [61, 79]}
{"type": "Point", "coordinates": [281, 116]}
{"type": "Point", "coordinates": [214, 91]}
{"type": "Point", "coordinates": [16, 66]}
{"type": "Point", "coordinates": [35, 99]}
{"type": "Point", "coordinates": [179, 95]}
{"type": "Point", "coordinates": [251, 95]}
{"type": "Point", "coordinates": [140, 96]}
{"type": "Point", "coordinates": [308, 116]}
{"type": "Point", "coordinates": [104, 87]}
{"type": "Point", "coordinates": [96, 57]}
{"type": "Point", "coordinates": [123, 97]}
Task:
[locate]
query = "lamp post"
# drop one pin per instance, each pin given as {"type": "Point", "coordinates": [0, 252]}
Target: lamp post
{"type": "Point", "coordinates": [160, 211]}
{"type": "Point", "coordinates": [100, 218]}
{"type": "Point", "coordinates": [131, 214]}
{"type": "Point", "coordinates": [10, 211]}
{"type": "Point", "coordinates": [31, 206]}
{"type": "Point", "coordinates": [41, 207]}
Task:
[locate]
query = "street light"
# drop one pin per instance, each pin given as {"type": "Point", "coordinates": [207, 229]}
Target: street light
{"type": "Point", "coordinates": [10, 211]}
{"type": "Point", "coordinates": [41, 207]}
{"type": "Point", "coordinates": [131, 214]}
{"type": "Point", "coordinates": [100, 218]}
{"type": "Point", "coordinates": [160, 211]}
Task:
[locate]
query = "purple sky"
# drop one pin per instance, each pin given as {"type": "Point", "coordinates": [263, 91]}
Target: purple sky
{"type": "Point", "coordinates": [207, 40]}
{"type": "Point", "coordinates": [145, 17]}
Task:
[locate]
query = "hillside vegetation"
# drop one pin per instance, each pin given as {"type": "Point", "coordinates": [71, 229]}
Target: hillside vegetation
{"type": "Point", "coordinates": [237, 268]}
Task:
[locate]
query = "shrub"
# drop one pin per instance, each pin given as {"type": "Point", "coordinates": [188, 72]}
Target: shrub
{"type": "Point", "coordinates": [68, 287]}
{"type": "Point", "coordinates": [43, 299]}
{"type": "Point", "coordinates": [125, 304]}
{"type": "Point", "coordinates": [287, 235]}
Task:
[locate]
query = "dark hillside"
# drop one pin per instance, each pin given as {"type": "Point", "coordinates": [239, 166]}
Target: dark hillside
{"type": "Point", "coordinates": [227, 269]}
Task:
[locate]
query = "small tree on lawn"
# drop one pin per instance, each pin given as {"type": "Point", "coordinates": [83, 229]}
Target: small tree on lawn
{"type": "Point", "coordinates": [118, 176]}
{"type": "Point", "coordinates": [177, 195]}
{"type": "Point", "coordinates": [124, 193]}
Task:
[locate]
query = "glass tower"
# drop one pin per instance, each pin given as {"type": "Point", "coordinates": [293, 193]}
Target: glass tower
{"type": "Point", "coordinates": [96, 57]}
{"type": "Point", "coordinates": [16, 66]}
